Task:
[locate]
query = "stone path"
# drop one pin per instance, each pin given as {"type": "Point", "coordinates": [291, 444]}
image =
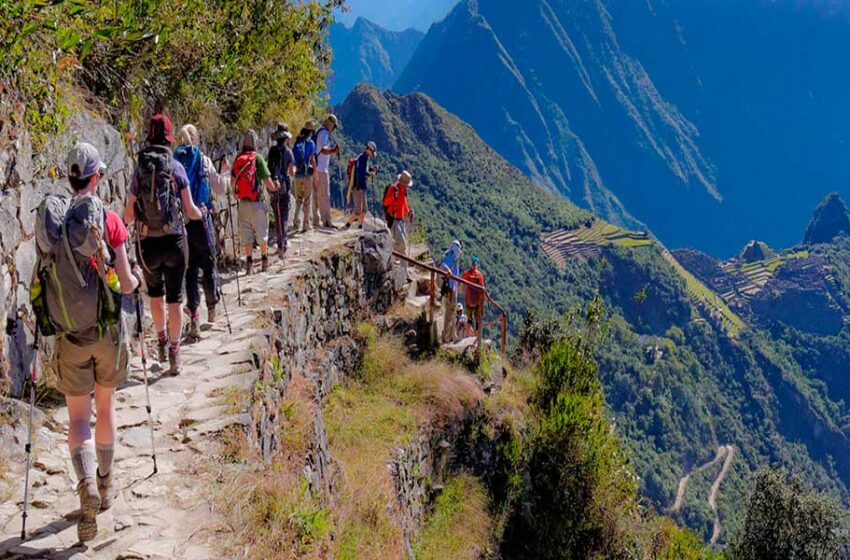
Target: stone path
{"type": "Point", "coordinates": [167, 515]}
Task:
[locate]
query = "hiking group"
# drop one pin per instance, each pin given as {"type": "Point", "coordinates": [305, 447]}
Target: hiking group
{"type": "Point", "coordinates": [87, 262]}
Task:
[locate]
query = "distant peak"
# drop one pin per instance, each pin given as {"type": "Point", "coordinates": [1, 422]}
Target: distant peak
{"type": "Point", "coordinates": [831, 219]}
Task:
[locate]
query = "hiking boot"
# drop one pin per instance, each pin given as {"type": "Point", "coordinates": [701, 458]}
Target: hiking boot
{"type": "Point", "coordinates": [162, 350]}
{"type": "Point", "coordinates": [211, 314]}
{"type": "Point", "coordinates": [174, 361]}
{"type": "Point", "coordinates": [104, 488]}
{"type": "Point", "coordinates": [264, 263]}
{"type": "Point", "coordinates": [89, 506]}
{"type": "Point", "coordinates": [194, 330]}
{"type": "Point", "coordinates": [282, 254]}
{"type": "Point", "coordinates": [249, 264]}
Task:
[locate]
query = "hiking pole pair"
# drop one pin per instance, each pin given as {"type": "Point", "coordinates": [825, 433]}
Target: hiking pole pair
{"type": "Point", "coordinates": [28, 446]}
{"type": "Point", "coordinates": [141, 332]}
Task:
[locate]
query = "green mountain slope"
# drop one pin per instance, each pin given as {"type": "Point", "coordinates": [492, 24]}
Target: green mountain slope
{"type": "Point", "coordinates": [680, 382]}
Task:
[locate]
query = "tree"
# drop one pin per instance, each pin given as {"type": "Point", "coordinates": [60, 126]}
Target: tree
{"type": "Point", "coordinates": [788, 520]}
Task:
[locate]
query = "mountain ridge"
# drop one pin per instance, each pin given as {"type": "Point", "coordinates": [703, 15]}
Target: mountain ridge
{"type": "Point", "coordinates": [643, 123]}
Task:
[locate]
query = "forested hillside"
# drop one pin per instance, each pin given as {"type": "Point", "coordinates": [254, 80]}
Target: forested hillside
{"type": "Point", "coordinates": [678, 385]}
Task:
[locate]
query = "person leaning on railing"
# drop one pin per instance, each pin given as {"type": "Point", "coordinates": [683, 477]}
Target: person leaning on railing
{"type": "Point", "coordinates": [474, 297]}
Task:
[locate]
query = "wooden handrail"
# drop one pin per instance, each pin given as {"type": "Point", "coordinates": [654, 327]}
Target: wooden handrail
{"type": "Point", "coordinates": [442, 272]}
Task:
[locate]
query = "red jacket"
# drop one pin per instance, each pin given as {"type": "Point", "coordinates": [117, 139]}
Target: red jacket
{"type": "Point", "coordinates": [396, 201]}
{"type": "Point", "coordinates": [474, 297]}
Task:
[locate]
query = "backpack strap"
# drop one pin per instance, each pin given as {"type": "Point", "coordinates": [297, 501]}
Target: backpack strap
{"type": "Point", "coordinates": [69, 251]}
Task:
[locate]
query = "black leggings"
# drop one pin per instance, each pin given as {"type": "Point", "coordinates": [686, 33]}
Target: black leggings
{"type": "Point", "coordinates": [280, 211]}
{"type": "Point", "coordinates": [164, 266]}
{"type": "Point", "coordinates": [201, 259]}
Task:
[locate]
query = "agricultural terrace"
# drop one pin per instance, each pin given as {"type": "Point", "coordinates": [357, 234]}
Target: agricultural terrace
{"type": "Point", "coordinates": [587, 241]}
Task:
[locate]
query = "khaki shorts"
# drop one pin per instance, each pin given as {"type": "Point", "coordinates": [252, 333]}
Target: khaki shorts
{"type": "Point", "coordinates": [103, 362]}
{"type": "Point", "coordinates": [253, 222]}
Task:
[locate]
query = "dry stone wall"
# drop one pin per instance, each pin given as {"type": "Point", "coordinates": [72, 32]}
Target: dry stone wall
{"type": "Point", "coordinates": [25, 178]}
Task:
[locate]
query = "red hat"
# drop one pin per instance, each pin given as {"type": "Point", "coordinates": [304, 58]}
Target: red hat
{"type": "Point", "coordinates": [160, 130]}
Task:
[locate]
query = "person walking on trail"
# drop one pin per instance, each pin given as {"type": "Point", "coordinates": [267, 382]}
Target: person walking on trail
{"type": "Point", "coordinates": [81, 272]}
{"type": "Point", "coordinates": [398, 211]}
{"type": "Point", "coordinates": [159, 197]}
{"type": "Point", "coordinates": [282, 168]}
{"type": "Point", "coordinates": [451, 264]}
{"type": "Point", "coordinates": [325, 148]}
{"type": "Point", "coordinates": [304, 158]}
{"type": "Point", "coordinates": [249, 175]}
{"type": "Point", "coordinates": [474, 297]}
{"type": "Point", "coordinates": [359, 182]}
{"type": "Point", "coordinates": [204, 181]}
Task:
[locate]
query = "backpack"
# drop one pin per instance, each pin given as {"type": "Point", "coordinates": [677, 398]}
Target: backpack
{"type": "Point", "coordinates": [349, 171]}
{"type": "Point", "coordinates": [389, 198]}
{"type": "Point", "coordinates": [245, 171]}
{"type": "Point", "coordinates": [69, 292]}
{"type": "Point", "coordinates": [191, 158]}
{"type": "Point", "coordinates": [158, 205]}
{"type": "Point", "coordinates": [299, 153]}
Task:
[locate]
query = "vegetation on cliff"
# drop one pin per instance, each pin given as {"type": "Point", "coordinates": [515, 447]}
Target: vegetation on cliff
{"type": "Point", "coordinates": [223, 64]}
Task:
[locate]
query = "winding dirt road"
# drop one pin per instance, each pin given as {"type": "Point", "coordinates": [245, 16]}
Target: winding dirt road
{"type": "Point", "coordinates": [725, 453]}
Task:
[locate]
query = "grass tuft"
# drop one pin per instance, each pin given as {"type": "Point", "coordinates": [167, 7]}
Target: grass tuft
{"type": "Point", "coordinates": [459, 527]}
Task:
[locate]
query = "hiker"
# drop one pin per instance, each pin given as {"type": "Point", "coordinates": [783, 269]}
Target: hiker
{"type": "Point", "coordinates": [463, 329]}
{"type": "Point", "coordinates": [79, 302]}
{"type": "Point", "coordinates": [158, 198]}
{"type": "Point", "coordinates": [451, 264]}
{"type": "Point", "coordinates": [325, 148]}
{"type": "Point", "coordinates": [358, 183]}
{"type": "Point", "coordinates": [304, 154]}
{"type": "Point", "coordinates": [475, 298]}
{"type": "Point", "coordinates": [398, 211]}
{"type": "Point", "coordinates": [204, 180]}
{"type": "Point", "coordinates": [249, 175]}
{"type": "Point", "coordinates": [282, 169]}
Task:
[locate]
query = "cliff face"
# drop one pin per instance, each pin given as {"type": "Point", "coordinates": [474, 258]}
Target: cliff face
{"type": "Point", "coordinates": [25, 178]}
{"type": "Point", "coordinates": [645, 113]}
{"type": "Point", "coordinates": [366, 52]}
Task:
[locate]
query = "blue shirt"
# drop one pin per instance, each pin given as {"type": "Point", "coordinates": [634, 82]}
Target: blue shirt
{"type": "Point", "coordinates": [451, 262]}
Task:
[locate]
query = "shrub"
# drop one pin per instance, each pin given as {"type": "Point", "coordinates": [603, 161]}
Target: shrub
{"type": "Point", "coordinates": [787, 520]}
{"type": "Point", "coordinates": [227, 64]}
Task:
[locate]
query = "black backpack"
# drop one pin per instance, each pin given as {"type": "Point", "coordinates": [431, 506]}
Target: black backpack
{"type": "Point", "coordinates": [158, 204]}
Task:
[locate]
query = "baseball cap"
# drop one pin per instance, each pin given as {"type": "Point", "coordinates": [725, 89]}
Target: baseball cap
{"type": "Point", "coordinates": [333, 119]}
{"type": "Point", "coordinates": [84, 161]}
{"type": "Point", "coordinates": [476, 260]}
{"type": "Point", "coordinates": [372, 146]}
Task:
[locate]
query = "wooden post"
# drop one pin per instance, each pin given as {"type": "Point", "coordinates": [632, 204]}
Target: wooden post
{"type": "Point", "coordinates": [504, 335]}
{"type": "Point", "coordinates": [431, 301]}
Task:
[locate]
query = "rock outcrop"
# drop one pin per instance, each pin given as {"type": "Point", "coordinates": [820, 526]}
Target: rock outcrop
{"type": "Point", "coordinates": [830, 220]}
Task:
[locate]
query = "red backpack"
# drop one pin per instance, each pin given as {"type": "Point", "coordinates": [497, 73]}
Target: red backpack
{"type": "Point", "coordinates": [245, 171]}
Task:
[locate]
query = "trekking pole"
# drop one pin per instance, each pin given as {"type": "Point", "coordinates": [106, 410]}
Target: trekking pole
{"type": "Point", "coordinates": [235, 248]}
{"type": "Point", "coordinates": [28, 446]}
{"type": "Point", "coordinates": [218, 287]}
{"type": "Point", "coordinates": [140, 331]}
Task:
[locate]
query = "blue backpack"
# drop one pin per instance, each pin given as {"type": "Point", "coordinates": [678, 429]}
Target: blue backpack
{"type": "Point", "coordinates": [191, 158]}
{"type": "Point", "coordinates": [301, 157]}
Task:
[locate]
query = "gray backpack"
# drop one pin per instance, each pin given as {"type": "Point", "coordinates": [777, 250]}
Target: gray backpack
{"type": "Point", "coordinates": [74, 297]}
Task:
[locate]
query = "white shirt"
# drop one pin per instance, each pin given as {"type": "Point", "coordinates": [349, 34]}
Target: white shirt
{"type": "Point", "coordinates": [218, 182]}
{"type": "Point", "coordinates": [323, 140]}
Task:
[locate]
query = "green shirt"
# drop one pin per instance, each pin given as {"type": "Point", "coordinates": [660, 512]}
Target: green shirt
{"type": "Point", "coordinates": [262, 169]}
